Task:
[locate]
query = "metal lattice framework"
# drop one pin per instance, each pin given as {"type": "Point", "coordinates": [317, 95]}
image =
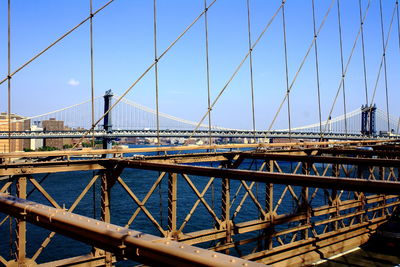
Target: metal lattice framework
{"type": "Point", "coordinates": [266, 205]}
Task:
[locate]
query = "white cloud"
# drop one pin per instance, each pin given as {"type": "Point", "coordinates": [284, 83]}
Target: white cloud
{"type": "Point", "coordinates": [73, 82]}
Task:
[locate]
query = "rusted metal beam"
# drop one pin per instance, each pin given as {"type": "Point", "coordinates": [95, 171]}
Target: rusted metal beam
{"type": "Point", "coordinates": [123, 242]}
{"type": "Point", "coordinates": [355, 151]}
{"type": "Point", "coordinates": [193, 157]}
{"type": "Point", "coordinates": [323, 159]}
{"type": "Point", "coordinates": [68, 153]}
{"type": "Point", "coordinates": [351, 184]}
{"type": "Point", "coordinates": [25, 168]}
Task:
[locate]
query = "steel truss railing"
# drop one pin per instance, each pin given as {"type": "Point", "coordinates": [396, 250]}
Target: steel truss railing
{"type": "Point", "coordinates": [307, 203]}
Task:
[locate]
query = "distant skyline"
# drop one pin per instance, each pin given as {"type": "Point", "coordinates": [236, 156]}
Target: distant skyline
{"type": "Point", "coordinates": [123, 50]}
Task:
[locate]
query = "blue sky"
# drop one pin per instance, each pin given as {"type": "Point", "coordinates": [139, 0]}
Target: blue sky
{"type": "Point", "coordinates": [123, 49]}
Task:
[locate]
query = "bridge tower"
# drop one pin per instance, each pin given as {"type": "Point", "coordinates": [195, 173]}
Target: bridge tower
{"type": "Point", "coordinates": [107, 142]}
{"type": "Point", "coordinates": [368, 120]}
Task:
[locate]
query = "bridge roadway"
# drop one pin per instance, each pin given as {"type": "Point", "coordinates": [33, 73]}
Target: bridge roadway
{"type": "Point", "coordinates": [185, 134]}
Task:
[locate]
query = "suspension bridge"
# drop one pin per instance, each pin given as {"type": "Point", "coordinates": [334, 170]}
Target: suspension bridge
{"type": "Point", "coordinates": [130, 119]}
{"type": "Point", "coordinates": [321, 76]}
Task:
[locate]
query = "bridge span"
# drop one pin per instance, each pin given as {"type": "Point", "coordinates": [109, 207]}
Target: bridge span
{"type": "Point", "coordinates": [101, 134]}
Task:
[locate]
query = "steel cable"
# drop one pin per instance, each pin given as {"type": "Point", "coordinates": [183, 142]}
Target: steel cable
{"type": "Point", "coordinates": [342, 65]}
{"type": "Point", "coordinates": [363, 53]}
{"type": "Point", "coordinates": [9, 72]}
{"type": "Point", "coordinates": [55, 42]}
{"type": "Point", "coordinates": [144, 73]}
{"type": "Point", "coordinates": [398, 37]}
{"type": "Point", "coordinates": [235, 72]}
{"type": "Point", "coordinates": [251, 68]}
{"type": "Point", "coordinates": [286, 68]}
{"type": "Point", "coordinates": [347, 66]}
{"type": "Point", "coordinates": [92, 66]}
{"type": "Point", "coordinates": [384, 64]}
{"type": "Point", "coordinates": [301, 64]}
{"type": "Point", "coordinates": [384, 52]}
{"type": "Point", "coordinates": [317, 68]}
{"type": "Point", "coordinates": [156, 69]}
{"type": "Point", "coordinates": [207, 69]}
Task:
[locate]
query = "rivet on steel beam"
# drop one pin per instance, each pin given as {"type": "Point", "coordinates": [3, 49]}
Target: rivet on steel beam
{"type": "Point", "coordinates": [214, 255]}
{"type": "Point", "coordinates": [197, 251]}
{"type": "Point", "coordinates": [166, 242]}
{"type": "Point", "coordinates": [129, 233]}
{"type": "Point", "coordinates": [245, 264]}
{"type": "Point", "coordinates": [181, 246]}
{"type": "Point", "coordinates": [232, 260]}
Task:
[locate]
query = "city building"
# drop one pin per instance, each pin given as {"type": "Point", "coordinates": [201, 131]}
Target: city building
{"type": "Point", "coordinates": [35, 143]}
{"type": "Point", "coordinates": [53, 125]}
{"type": "Point", "coordinates": [18, 123]}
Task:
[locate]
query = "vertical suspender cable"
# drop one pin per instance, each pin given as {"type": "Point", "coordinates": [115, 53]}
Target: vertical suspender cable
{"type": "Point", "coordinates": [9, 73]}
{"type": "Point", "coordinates": [92, 95]}
{"type": "Point", "coordinates": [251, 69]}
{"type": "Point", "coordinates": [208, 92]}
{"type": "Point", "coordinates": [317, 69]}
{"type": "Point", "coordinates": [342, 65]}
{"type": "Point", "coordinates": [157, 109]}
{"type": "Point", "coordinates": [398, 37]}
{"type": "Point", "coordinates": [286, 67]}
{"type": "Point", "coordinates": [156, 68]}
{"type": "Point", "coordinates": [92, 67]}
{"type": "Point", "coordinates": [207, 71]}
{"type": "Point", "coordinates": [384, 65]}
{"type": "Point", "coordinates": [363, 53]}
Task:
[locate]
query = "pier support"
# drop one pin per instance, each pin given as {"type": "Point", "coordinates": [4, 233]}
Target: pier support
{"type": "Point", "coordinates": [107, 142]}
